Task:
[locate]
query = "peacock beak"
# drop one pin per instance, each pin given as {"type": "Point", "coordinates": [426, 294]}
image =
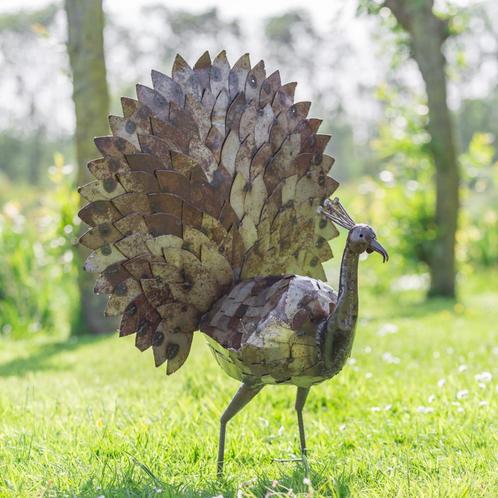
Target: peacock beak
{"type": "Point", "coordinates": [375, 246]}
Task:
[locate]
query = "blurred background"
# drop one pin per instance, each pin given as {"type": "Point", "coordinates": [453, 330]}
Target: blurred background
{"type": "Point", "coordinates": [408, 90]}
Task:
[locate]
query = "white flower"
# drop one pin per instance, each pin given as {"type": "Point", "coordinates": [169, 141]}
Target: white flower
{"type": "Point", "coordinates": [431, 398]}
{"type": "Point", "coordinates": [387, 328]}
{"type": "Point", "coordinates": [342, 427]}
{"type": "Point", "coordinates": [368, 375]}
{"type": "Point", "coordinates": [67, 257]}
{"type": "Point", "coordinates": [367, 349]}
{"type": "Point", "coordinates": [483, 403]}
{"type": "Point", "coordinates": [386, 176]}
{"type": "Point", "coordinates": [484, 377]}
{"type": "Point", "coordinates": [375, 408]}
{"type": "Point", "coordinates": [425, 409]}
{"type": "Point", "coordinates": [389, 358]}
{"type": "Point", "coordinates": [412, 185]}
{"type": "Point", "coordinates": [410, 282]}
{"type": "Point", "coordinates": [306, 481]}
{"type": "Point", "coordinates": [387, 407]}
{"type": "Point", "coordinates": [462, 368]}
{"type": "Point", "coordinates": [441, 382]}
{"type": "Point", "coordinates": [462, 394]}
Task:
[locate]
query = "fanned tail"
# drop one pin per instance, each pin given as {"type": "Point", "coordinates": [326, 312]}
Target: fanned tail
{"type": "Point", "coordinates": [211, 176]}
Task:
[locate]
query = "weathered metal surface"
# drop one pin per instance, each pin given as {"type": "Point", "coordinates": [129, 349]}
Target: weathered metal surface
{"type": "Point", "coordinates": [266, 330]}
{"type": "Point", "coordinates": [211, 176]}
{"type": "Point", "coordinates": [238, 75]}
{"type": "Point", "coordinates": [254, 80]}
{"type": "Point", "coordinates": [338, 335]}
{"type": "Point", "coordinates": [167, 87]}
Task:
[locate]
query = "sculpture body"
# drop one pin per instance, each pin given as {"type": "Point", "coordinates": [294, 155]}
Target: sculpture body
{"type": "Point", "coordinates": [210, 212]}
{"type": "Point", "coordinates": [267, 330]}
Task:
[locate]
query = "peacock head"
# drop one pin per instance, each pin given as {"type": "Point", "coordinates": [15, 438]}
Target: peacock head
{"type": "Point", "coordinates": [361, 237]}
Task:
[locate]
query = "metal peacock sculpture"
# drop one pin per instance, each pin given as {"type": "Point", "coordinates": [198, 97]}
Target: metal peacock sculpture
{"type": "Point", "coordinates": [210, 212]}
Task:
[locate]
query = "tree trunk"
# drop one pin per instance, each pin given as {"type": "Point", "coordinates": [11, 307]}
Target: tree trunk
{"type": "Point", "coordinates": [427, 35]}
{"type": "Point", "coordinates": [85, 24]}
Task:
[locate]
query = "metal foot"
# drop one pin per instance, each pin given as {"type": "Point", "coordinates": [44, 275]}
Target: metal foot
{"type": "Point", "coordinates": [302, 460]}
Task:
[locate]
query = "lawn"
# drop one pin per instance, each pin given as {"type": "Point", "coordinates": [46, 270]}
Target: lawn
{"type": "Point", "coordinates": [414, 413]}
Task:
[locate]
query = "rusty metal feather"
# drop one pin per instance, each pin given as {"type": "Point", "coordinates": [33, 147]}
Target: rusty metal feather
{"type": "Point", "coordinates": [132, 202]}
{"type": "Point", "coordinates": [133, 245]}
{"type": "Point", "coordinates": [103, 257]}
{"type": "Point", "coordinates": [149, 163]}
{"type": "Point", "coordinates": [101, 190]}
{"type": "Point", "coordinates": [100, 235]}
{"type": "Point", "coordinates": [114, 146]}
{"type": "Point", "coordinates": [171, 346]}
{"type": "Point", "coordinates": [254, 80]}
{"type": "Point", "coordinates": [184, 75]}
{"type": "Point", "coordinates": [132, 223]}
{"type": "Point", "coordinates": [139, 181]}
{"type": "Point", "coordinates": [268, 89]}
{"type": "Point", "coordinates": [182, 163]}
{"type": "Point", "coordinates": [99, 212]}
{"type": "Point", "coordinates": [123, 294]}
{"type": "Point", "coordinates": [202, 69]}
{"type": "Point", "coordinates": [168, 88]}
{"type": "Point", "coordinates": [199, 115]}
{"type": "Point", "coordinates": [219, 72]}
{"type": "Point", "coordinates": [174, 138]}
{"type": "Point", "coordinates": [219, 112]}
{"type": "Point", "coordinates": [229, 151]}
{"type": "Point", "coordinates": [284, 97]}
{"type": "Point", "coordinates": [107, 167]}
{"type": "Point", "coordinates": [154, 100]}
{"type": "Point", "coordinates": [238, 75]}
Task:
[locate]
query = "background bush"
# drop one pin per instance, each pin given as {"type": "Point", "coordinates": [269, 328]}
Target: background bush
{"type": "Point", "coordinates": [37, 270]}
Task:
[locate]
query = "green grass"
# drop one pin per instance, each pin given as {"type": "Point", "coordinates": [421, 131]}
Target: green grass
{"type": "Point", "coordinates": [92, 417]}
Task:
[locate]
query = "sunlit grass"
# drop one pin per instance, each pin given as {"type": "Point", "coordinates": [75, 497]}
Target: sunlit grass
{"type": "Point", "coordinates": [413, 414]}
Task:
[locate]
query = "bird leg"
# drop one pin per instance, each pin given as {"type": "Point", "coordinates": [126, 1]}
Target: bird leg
{"type": "Point", "coordinates": [302, 394]}
{"type": "Point", "coordinates": [242, 397]}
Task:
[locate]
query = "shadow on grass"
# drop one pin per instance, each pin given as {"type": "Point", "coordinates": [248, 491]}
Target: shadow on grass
{"type": "Point", "coordinates": [43, 357]}
{"type": "Point", "coordinates": [287, 485]}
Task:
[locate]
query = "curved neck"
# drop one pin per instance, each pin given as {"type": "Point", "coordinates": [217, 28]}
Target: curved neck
{"type": "Point", "coordinates": [339, 334]}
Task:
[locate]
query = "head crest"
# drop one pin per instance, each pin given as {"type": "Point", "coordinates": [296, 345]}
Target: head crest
{"type": "Point", "coordinates": [334, 211]}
